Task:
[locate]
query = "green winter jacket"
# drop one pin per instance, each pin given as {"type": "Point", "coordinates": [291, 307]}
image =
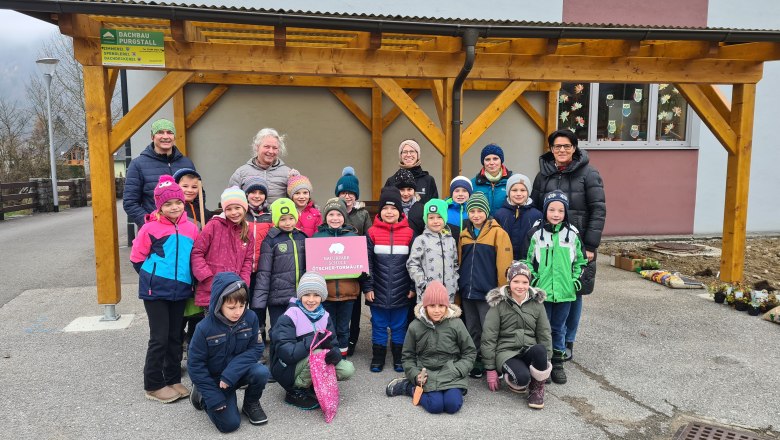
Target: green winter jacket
{"type": "Point", "coordinates": [556, 260]}
{"type": "Point", "coordinates": [445, 349]}
{"type": "Point", "coordinates": [510, 329]}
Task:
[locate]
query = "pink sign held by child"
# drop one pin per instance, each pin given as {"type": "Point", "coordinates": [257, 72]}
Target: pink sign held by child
{"type": "Point", "coordinates": [337, 257]}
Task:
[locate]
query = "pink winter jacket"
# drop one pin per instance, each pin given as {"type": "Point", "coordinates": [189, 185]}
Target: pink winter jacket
{"type": "Point", "coordinates": [219, 248]}
{"type": "Point", "coordinates": [309, 219]}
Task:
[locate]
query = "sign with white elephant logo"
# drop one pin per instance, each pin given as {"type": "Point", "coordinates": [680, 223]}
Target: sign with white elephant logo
{"type": "Point", "coordinates": [337, 257]}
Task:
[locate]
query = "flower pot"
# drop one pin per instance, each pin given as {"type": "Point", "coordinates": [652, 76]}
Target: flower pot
{"type": "Point", "coordinates": [719, 297]}
{"type": "Point", "coordinates": [753, 310]}
{"type": "Point", "coordinates": [740, 306]}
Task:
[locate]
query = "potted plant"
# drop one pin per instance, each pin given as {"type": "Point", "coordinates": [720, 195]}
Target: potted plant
{"type": "Point", "coordinates": [754, 308]}
{"type": "Point", "coordinates": [741, 298]}
{"type": "Point", "coordinates": [717, 290]}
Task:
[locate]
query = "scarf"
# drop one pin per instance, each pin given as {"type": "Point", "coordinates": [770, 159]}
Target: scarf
{"type": "Point", "coordinates": [313, 316]}
{"type": "Point", "coordinates": [408, 167]}
{"type": "Point", "coordinates": [493, 179]}
{"type": "Point", "coordinates": [407, 206]}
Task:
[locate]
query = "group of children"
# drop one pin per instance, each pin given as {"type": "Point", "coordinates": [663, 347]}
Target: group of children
{"type": "Point", "coordinates": [424, 260]}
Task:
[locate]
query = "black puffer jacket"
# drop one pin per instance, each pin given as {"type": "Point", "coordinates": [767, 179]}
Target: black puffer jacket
{"type": "Point", "coordinates": [282, 262]}
{"type": "Point", "coordinates": [425, 184]}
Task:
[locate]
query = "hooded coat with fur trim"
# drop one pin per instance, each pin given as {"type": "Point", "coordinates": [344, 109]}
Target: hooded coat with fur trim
{"type": "Point", "coordinates": [444, 348]}
{"type": "Point", "coordinates": [511, 328]}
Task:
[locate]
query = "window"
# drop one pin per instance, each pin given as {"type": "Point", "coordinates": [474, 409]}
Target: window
{"type": "Point", "coordinates": [624, 115]}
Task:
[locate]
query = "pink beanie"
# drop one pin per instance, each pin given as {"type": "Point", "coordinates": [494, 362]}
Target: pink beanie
{"type": "Point", "coordinates": [297, 182]}
{"type": "Point", "coordinates": [165, 190]}
{"type": "Point", "coordinates": [435, 293]}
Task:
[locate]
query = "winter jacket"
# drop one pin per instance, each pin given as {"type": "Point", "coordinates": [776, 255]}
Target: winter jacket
{"type": "Point", "coordinates": [556, 260]}
{"type": "Point", "coordinates": [143, 174]}
{"type": "Point", "coordinates": [415, 218]}
{"type": "Point", "coordinates": [193, 213]}
{"type": "Point", "coordinates": [483, 259]}
{"type": "Point", "coordinates": [434, 256]}
{"type": "Point", "coordinates": [342, 289]}
{"type": "Point", "coordinates": [291, 338]}
{"type": "Point", "coordinates": [259, 224]}
{"type": "Point", "coordinates": [221, 350]}
{"type": "Point", "coordinates": [161, 256]}
{"type": "Point", "coordinates": [444, 348]}
{"type": "Point", "coordinates": [495, 192]}
{"type": "Point", "coordinates": [511, 328]}
{"type": "Point", "coordinates": [517, 221]}
{"type": "Point", "coordinates": [282, 262]}
{"type": "Point", "coordinates": [275, 177]}
{"type": "Point", "coordinates": [457, 218]}
{"type": "Point", "coordinates": [359, 218]}
{"type": "Point", "coordinates": [309, 219]}
{"type": "Point", "coordinates": [219, 248]}
{"type": "Point", "coordinates": [388, 250]}
{"type": "Point", "coordinates": [425, 184]}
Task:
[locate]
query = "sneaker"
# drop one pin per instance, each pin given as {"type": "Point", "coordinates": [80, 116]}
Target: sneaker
{"type": "Point", "coordinates": [195, 399]}
{"type": "Point", "coordinates": [181, 389]}
{"type": "Point", "coordinates": [344, 352]}
{"type": "Point", "coordinates": [397, 387]}
{"type": "Point", "coordinates": [165, 394]}
{"type": "Point", "coordinates": [351, 349]}
{"type": "Point", "coordinates": [301, 399]}
{"type": "Point", "coordinates": [254, 413]}
{"type": "Point", "coordinates": [476, 373]}
{"type": "Point", "coordinates": [569, 352]}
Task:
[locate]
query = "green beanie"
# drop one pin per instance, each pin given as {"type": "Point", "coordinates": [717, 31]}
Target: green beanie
{"type": "Point", "coordinates": [163, 124]}
{"type": "Point", "coordinates": [282, 207]}
{"type": "Point", "coordinates": [435, 206]}
{"type": "Point", "coordinates": [479, 201]}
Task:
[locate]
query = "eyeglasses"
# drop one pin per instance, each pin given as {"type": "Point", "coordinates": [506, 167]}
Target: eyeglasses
{"type": "Point", "coordinates": [559, 147]}
{"type": "Point", "coordinates": [408, 152]}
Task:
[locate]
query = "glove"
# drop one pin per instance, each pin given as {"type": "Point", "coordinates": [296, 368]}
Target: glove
{"type": "Point", "coordinates": [333, 357]}
{"type": "Point", "coordinates": [492, 380]}
{"type": "Point", "coordinates": [326, 344]}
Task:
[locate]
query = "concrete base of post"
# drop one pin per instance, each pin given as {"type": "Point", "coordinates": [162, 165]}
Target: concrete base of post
{"type": "Point", "coordinates": [109, 313]}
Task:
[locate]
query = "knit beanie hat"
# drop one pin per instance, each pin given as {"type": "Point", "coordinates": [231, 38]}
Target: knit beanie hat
{"type": "Point", "coordinates": [297, 182]}
{"type": "Point", "coordinates": [461, 182]}
{"type": "Point", "coordinates": [253, 183]}
{"type": "Point", "coordinates": [283, 206]}
{"type": "Point", "coordinates": [478, 200]}
{"type": "Point", "coordinates": [556, 196]}
{"type": "Point", "coordinates": [435, 206]}
{"type": "Point", "coordinates": [312, 282]}
{"type": "Point", "coordinates": [518, 178]}
{"type": "Point", "coordinates": [234, 196]}
{"type": "Point", "coordinates": [390, 196]}
{"type": "Point", "coordinates": [435, 294]}
{"type": "Point", "coordinates": [167, 189]}
{"type": "Point", "coordinates": [491, 149]}
{"type": "Point", "coordinates": [335, 204]}
{"type": "Point", "coordinates": [518, 268]}
{"type": "Point", "coordinates": [404, 178]}
{"type": "Point", "coordinates": [163, 124]}
{"type": "Point", "coordinates": [185, 172]}
{"type": "Point", "coordinates": [348, 182]}
{"type": "Point", "coordinates": [409, 143]}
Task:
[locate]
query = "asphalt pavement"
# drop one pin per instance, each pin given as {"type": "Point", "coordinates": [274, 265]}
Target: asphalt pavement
{"type": "Point", "coordinates": [648, 360]}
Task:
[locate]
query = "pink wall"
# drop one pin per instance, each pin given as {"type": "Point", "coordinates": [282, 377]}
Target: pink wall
{"type": "Point", "coordinates": [649, 192]}
{"type": "Point", "coordinates": [687, 13]}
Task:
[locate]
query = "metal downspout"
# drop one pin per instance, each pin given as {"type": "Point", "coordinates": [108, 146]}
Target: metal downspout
{"type": "Point", "coordinates": [469, 43]}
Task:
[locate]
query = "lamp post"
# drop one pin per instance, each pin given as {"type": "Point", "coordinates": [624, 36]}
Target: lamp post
{"type": "Point", "coordinates": [47, 67]}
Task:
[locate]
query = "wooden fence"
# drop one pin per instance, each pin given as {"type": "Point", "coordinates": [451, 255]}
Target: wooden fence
{"type": "Point", "coordinates": [36, 195]}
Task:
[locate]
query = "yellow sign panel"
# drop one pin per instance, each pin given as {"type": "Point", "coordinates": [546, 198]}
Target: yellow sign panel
{"type": "Point", "coordinates": [132, 48]}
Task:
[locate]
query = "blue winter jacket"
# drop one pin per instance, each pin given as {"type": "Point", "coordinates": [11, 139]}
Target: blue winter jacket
{"type": "Point", "coordinates": [142, 177]}
{"type": "Point", "coordinates": [457, 218]}
{"type": "Point", "coordinates": [517, 221]}
{"type": "Point", "coordinates": [221, 350]}
{"type": "Point", "coordinates": [282, 262]}
{"type": "Point", "coordinates": [495, 192]}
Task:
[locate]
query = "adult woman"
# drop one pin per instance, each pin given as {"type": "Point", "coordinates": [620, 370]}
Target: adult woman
{"type": "Point", "coordinates": [267, 146]}
{"type": "Point", "coordinates": [565, 167]}
{"type": "Point", "coordinates": [491, 179]}
{"type": "Point", "coordinates": [409, 155]}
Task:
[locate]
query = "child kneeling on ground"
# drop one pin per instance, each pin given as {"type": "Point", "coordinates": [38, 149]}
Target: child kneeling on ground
{"type": "Point", "coordinates": [224, 355]}
{"type": "Point", "coordinates": [437, 355]}
{"type": "Point", "coordinates": [516, 337]}
{"type": "Point", "coordinates": [291, 339]}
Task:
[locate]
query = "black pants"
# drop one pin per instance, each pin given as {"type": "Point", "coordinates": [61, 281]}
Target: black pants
{"type": "Point", "coordinates": [517, 367]}
{"type": "Point", "coordinates": [474, 312]}
{"type": "Point", "coordinates": [163, 355]}
{"type": "Point", "coordinates": [260, 312]}
{"type": "Point", "coordinates": [354, 324]}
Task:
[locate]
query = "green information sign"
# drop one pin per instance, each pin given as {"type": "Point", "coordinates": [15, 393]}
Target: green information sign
{"type": "Point", "coordinates": [132, 48]}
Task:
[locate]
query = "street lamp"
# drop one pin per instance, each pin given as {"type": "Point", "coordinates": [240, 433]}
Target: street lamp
{"type": "Point", "coordinates": [47, 67]}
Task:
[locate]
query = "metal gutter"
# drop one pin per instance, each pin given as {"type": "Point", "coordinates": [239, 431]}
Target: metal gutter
{"type": "Point", "coordinates": [469, 46]}
{"type": "Point", "coordinates": [371, 24]}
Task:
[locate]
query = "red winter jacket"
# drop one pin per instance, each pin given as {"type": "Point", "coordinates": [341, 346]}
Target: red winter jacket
{"type": "Point", "coordinates": [259, 224]}
{"type": "Point", "coordinates": [219, 248]}
{"type": "Point", "coordinates": [309, 219]}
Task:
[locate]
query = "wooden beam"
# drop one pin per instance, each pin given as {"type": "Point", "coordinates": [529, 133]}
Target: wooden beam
{"type": "Point", "coordinates": [676, 49]}
{"type": "Point", "coordinates": [147, 107]}
{"type": "Point", "coordinates": [104, 221]}
{"type": "Point", "coordinates": [280, 36]}
{"type": "Point", "coordinates": [550, 118]}
{"type": "Point", "coordinates": [352, 106]}
{"type": "Point", "coordinates": [184, 31]}
{"type": "Point", "coordinates": [709, 114]}
{"type": "Point", "coordinates": [205, 105]}
{"type": "Point", "coordinates": [113, 75]}
{"type": "Point", "coordinates": [762, 51]}
{"type": "Point", "coordinates": [412, 111]}
{"type": "Point", "coordinates": [716, 98]}
{"type": "Point", "coordinates": [491, 114]}
{"type": "Point", "coordinates": [529, 110]}
{"type": "Point", "coordinates": [393, 114]}
{"type": "Point", "coordinates": [79, 25]}
{"type": "Point", "coordinates": [179, 120]}
{"type": "Point", "coordinates": [437, 93]}
{"type": "Point", "coordinates": [732, 260]}
{"type": "Point", "coordinates": [605, 48]}
{"type": "Point", "coordinates": [376, 142]}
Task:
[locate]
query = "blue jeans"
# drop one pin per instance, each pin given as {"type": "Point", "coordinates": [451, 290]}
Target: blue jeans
{"type": "Point", "coordinates": [557, 314]}
{"type": "Point", "coordinates": [573, 321]}
{"type": "Point", "coordinates": [341, 314]}
{"type": "Point", "coordinates": [436, 402]}
{"type": "Point", "coordinates": [228, 419]}
{"type": "Point", "coordinates": [381, 319]}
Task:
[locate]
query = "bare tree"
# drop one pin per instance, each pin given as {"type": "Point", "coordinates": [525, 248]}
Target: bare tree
{"type": "Point", "coordinates": [21, 156]}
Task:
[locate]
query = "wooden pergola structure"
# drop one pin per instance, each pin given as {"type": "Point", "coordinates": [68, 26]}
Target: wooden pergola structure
{"type": "Point", "coordinates": [398, 58]}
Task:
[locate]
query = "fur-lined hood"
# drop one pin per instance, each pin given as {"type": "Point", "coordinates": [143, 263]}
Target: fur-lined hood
{"type": "Point", "coordinates": [419, 311]}
{"type": "Point", "coordinates": [495, 296]}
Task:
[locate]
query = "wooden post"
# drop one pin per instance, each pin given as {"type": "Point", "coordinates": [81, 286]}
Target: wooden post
{"type": "Point", "coordinates": [376, 142]}
{"type": "Point", "coordinates": [179, 118]}
{"type": "Point", "coordinates": [732, 260]}
{"type": "Point", "coordinates": [551, 117]}
{"type": "Point", "coordinates": [104, 219]}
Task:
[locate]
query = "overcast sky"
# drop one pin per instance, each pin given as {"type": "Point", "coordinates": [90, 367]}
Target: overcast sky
{"type": "Point", "coordinates": [20, 40]}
